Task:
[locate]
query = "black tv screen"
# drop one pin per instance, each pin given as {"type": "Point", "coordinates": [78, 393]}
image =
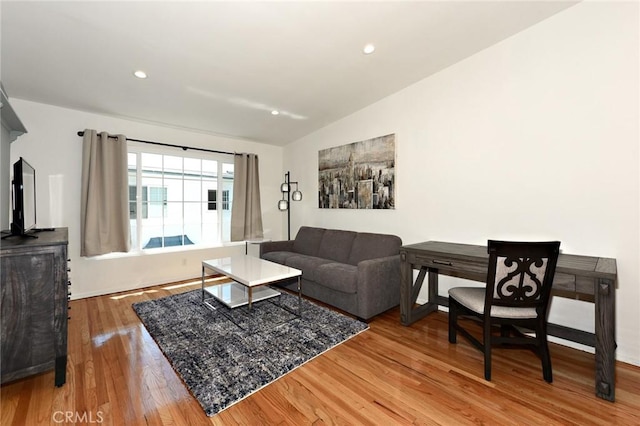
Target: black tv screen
{"type": "Point", "coordinates": [24, 197]}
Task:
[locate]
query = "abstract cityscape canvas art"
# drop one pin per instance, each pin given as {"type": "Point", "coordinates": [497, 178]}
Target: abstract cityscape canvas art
{"type": "Point", "coordinates": [359, 175]}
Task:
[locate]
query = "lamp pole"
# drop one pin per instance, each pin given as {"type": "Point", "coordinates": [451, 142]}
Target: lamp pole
{"type": "Point", "coordinates": [287, 178]}
{"type": "Point", "coordinates": [285, 204]}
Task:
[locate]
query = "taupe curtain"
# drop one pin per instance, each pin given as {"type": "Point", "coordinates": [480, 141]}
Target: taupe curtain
{"type": "Point", "coordinates": [104, 210]}
{"type": "Point", "coordinates": [246, 214]}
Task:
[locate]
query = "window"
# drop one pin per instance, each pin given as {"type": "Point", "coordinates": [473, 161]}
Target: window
{"type": "Point", "coordinates": [148, 194]}
{"type": "Point", "coordinates": [213, 199]}
{"type": "Point", "coordinates": [225, 199]}
{"type": "Point", "coordinates": [173, 199]}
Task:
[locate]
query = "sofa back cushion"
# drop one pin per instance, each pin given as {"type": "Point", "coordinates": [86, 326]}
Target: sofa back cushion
{"type": "Point", "coordinates": [308, 240]}
{"type": "Point", "coordinates": [336, 245]}
{"type": "Point", "coordinates": [372, 246]}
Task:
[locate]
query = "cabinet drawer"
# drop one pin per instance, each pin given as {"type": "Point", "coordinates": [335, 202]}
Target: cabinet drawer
{"type": "Point", "coordinates": [33, 306]}
{"type": "Point", "coordinates": [27, 314]}
{"type": "Point", "coordinates": [454, 267]}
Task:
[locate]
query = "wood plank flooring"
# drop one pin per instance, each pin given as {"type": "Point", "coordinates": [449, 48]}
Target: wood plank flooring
{"type": "Point", "coordinates": [388, 375]}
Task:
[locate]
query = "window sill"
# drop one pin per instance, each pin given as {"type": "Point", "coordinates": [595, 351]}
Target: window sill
{"type": "Point", "coordinates": [166, 250]}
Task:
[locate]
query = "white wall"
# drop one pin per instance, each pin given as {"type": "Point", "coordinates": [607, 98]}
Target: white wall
{"type": "Point", "coordinates": [5, 177]}
{"type": "Point", "coordinates": [55, 151]}
{"type": "Point", "coordinates": [533, 138]}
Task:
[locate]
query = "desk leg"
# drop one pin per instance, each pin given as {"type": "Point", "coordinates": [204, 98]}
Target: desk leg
{"type": "Point", "coordinates": [250, 297]}
{"type": "Point", "coordinates": [409, 292]}
{"type": "Point", "coordinates": [605, 339]}
{"type": "Point", "coordinates": [203, 283]}
{"type": "Point", "coordinates": [433, 287]}
{"type": "Point", "coordinates": [406, 279]}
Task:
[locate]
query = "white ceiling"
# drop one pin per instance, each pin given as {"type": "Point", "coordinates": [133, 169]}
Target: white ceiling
{"type": "Point", "coordinates": [221, 67]}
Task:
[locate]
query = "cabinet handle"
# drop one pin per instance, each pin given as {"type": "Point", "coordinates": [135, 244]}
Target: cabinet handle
{"type": "Point", "coordinates": [442, 262]}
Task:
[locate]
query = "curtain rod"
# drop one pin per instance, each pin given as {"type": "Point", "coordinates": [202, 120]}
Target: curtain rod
{"type": "Point", "coordinates": [184, 148]}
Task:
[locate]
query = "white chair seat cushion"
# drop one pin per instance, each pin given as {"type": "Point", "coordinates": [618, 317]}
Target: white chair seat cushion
{"type": "Point", "coordinates": [473, 298]}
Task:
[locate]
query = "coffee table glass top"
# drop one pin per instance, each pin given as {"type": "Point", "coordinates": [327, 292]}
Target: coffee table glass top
{"type": "Point", "coordinates": [251, 271]}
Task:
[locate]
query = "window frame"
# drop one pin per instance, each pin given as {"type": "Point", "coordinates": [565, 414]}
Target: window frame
{"type": "Point", "coordinates": [138, 149]}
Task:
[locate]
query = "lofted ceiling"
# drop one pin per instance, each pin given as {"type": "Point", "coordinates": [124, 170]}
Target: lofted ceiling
{"type": "Point", "coordinates": [223, 67]}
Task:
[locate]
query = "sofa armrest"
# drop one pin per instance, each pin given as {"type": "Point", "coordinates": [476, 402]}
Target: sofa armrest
{"type": "Point", "coordinates": [267, 246]}
{"type": "Point", "coordinates": [378, 285]}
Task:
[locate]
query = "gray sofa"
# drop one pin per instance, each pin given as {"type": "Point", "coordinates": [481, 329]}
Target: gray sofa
{"type": "Point", "coordinates": [356, 272]}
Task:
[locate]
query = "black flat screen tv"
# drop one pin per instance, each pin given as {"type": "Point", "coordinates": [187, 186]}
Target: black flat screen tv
{"type": "Point", "coordinates": [24, 198]}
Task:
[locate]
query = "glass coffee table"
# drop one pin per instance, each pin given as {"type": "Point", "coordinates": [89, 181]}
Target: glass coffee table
{"type": "Point", "coordinates": [251, 275]}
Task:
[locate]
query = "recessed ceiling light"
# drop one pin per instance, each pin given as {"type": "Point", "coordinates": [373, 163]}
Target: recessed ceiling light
{"type": "Point", "coordinates": [275, 112]}
{"type": "Point", "coordinates": [140, 74]}
{"type": "Point", "coordinates": [368, 49]}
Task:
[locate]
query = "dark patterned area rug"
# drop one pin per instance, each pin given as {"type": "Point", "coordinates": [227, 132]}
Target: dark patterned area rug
{"type": "Point", "coordinates": [224, 356]}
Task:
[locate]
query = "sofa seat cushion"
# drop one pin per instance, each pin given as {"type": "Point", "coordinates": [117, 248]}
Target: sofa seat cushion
{"type": "Point", "coordinates": [338, 276]}
{"type": "Point", "coordinates": [307, 264]}
{"type": "Point", "coordinates": [278, 256]}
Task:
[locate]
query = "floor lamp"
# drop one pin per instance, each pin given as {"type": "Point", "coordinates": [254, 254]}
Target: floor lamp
{"type": "Point", "coordinates": [284, 204]}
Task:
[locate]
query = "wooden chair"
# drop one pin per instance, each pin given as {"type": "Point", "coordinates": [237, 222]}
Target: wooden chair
{"type": "Point", "coordinates": [517, 293]}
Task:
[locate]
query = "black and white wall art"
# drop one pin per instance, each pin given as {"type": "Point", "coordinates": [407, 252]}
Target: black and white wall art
{"type": "Point", "coordinates": [359, 175]}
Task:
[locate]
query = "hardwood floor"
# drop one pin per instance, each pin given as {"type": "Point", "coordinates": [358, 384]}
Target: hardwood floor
{"type": "Point", "coordinates": [390, 374]}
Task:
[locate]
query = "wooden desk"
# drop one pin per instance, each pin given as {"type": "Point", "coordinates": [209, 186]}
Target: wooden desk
{"type": "Point", "coordinates": [591, 279]}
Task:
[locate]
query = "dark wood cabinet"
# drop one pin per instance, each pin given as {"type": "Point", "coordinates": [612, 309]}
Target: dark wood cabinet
{"type": "Point", "coordinates": [33, 305]}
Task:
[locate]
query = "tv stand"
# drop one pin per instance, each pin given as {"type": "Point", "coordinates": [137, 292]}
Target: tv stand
{"type": "Point", "coordinates": [16, 233]}
{"type": "Point", "coordinates": [4, 237]}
